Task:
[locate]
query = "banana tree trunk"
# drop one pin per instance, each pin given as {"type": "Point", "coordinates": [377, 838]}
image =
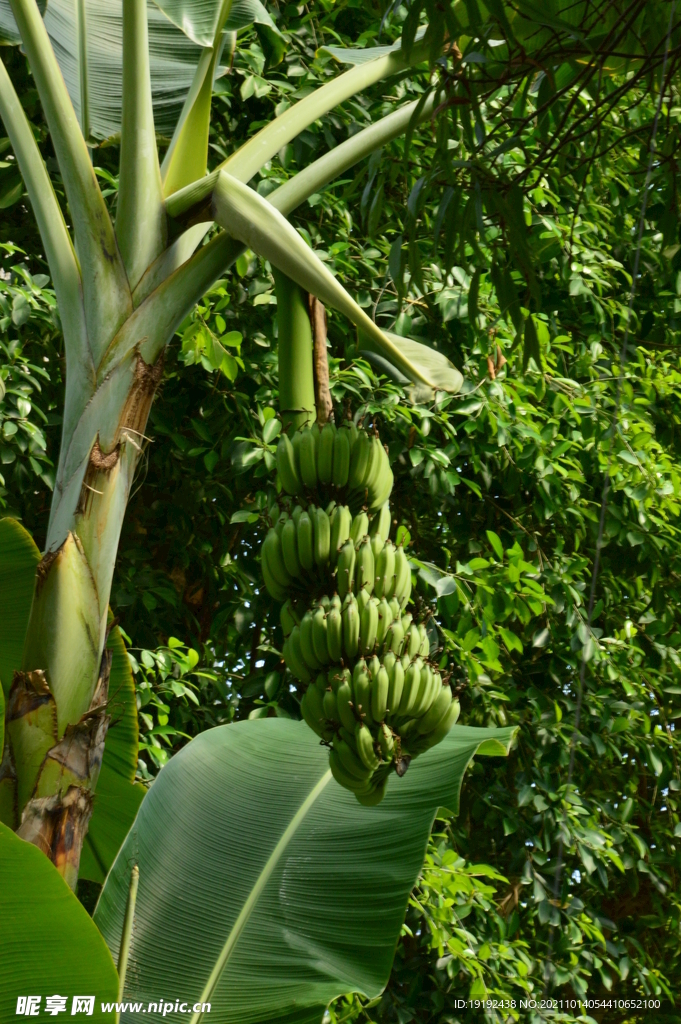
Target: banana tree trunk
{"type": "Point", "coordinates": [57, 708]}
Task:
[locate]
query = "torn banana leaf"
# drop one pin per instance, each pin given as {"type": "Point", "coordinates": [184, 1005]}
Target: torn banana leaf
{"type": "Point", "coordinates": [249, 218]}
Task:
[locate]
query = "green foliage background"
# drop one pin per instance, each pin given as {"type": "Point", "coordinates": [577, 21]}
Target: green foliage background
{"type": "Point", "coordinates": [496, 250]}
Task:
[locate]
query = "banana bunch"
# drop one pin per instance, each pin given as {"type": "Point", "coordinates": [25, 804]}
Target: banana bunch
{"type": "Point", "coordinates": [377, 717]}
{"type": "Point", "coordinates": [344, 461]}
{"type": "Point", "coordinates": [370, 690]}
{"type": "Point", "coordinates": [334, 549]}
{"type": "Point", "coordinates": [339, 632]}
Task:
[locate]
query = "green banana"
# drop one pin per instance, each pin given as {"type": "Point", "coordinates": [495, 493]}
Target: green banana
{"type": "Point", "coordinates": [322, 683]}
{"type": "Point", "coordinates": [286, 466]}
{"type": "Point", "coordinates": [307, 454]}
{"type": "Point", "coordinates": [373, 665]}
{"type": "Point", "coordinates": [402, 577]}
{"type": "Point", "coordinates": [436, 712]}
{"type": "Point", "coordinates": [410, 692]}
{"type": "Point", "coordinates": [280, 523]}
{"type": "Point", "coordinates": [288, 617]}
{"type": "Point", "coordinates": [305, 537]}
{"type": "Point", "coordinates": [442, 728]}
{"type": "Point", "coordinates": [325, 445]}
{"type": "Point", "coordinates": [271, 553]}
{"type": "Point", "coordinates": [319, 631]}
{"type": "Point", "coordinates": [296, 514]}
{"type": "Point", "coordinates": [359, 461]}
{"type": "Point", "coordinates": [289, 549]}
{"type": "Point", "coordinates": [275, 589]}
{"type": "Point", "coordinates": [373, 795]}
{"type": "Point", "coordinates": [377, 545]}
{"type": "Point", "coordinates": [412, 641]}
{"type": "Point", "coordinates": [396, 680]}
{"type": "Point", "coordinates": [385, 618]}
{"type": "Point", "coordinates": [273, 513]}
{"type": "Point", "coordinates": [395, 608]}
{"type": "Point", "coordinates": [388, 661]}
{"type": "Point", "coordinates": [306, 642]}
{"type": "Point", "coordinates": [341, 458]}
{"type": "Point", "coordinates": [348, 736]}
{"type": "Point", "coordinates": [375, 466]}
{"type": "Point", "coordinates": [383, 488]}
{"type": "Point", "coordinates": [359, 528]}
{"type": "Point", "coordinates": [351, 782]}
{"type": "Point", "coordinates": [379, 695]}
{"type": "Point", "coordinates": [365, 747]}
{"type": "Point", "coordinates": [386, 741]}
{"type": "Point", "coordinates": [345, 573]}
{"type": "Point", "coordinates": [361, 689]}
{"type": "Point", "coordinates": [394, 638]}
{"type": "Point", "coordinates": [368, 627]}
{"type": "Point", "coordinates": [330, 705]}
{"type": "Point", "coordinates": [363, 598]}
{"type": "Point", "coordinates": [424, 649]}
{"type": "Point", "coordinates": [345, 705]}
{"type": "Point", "coordinates": [335, 677]}
{"type": "Point", "coordinates": [365, 566]}
{"type": "Point", "coordinates": [312, 712]}
{"type": "Point", "coordinates": [425, 689]}
{"type": "Point", "coordinates": [350, 760]}
{"type": "Point", "coordinates": [385, 571]}
{"type": "Point", "coordinates": [334, 630]}
{"type": "Point", "coordinates": [380, 524]}
{"type": "Point", "coordinates": [341, 521]}
{"type": "Point", "coordinates": [408, 734]}
{"type": "Point", "coordinates": [322, 537]}
{"type": "Point", "coordinates": [351, 626]}
{"type": "Point", "coordinates": [293, 656]}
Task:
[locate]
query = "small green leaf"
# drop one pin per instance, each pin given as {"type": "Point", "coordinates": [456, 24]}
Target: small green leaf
{"type": "Point", "coordinates": [497, 546]}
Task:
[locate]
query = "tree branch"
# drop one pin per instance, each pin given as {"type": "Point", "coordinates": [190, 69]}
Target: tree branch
{"type": "Point", "coordinates": [320, 361]}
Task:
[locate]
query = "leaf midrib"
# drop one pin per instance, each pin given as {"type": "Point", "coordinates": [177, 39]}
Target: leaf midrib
{"type": "Point", "coordinates": [255, 893]}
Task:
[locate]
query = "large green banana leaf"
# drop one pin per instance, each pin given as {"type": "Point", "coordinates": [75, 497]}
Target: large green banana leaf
{"type": "Point", "coordinates": [48, 943]}
{"type": "Point", "coordinates": [117, 797]}
{"type": "Point", "coordinates": [265, 888]}
{"type": "Point", "coordinates": [178, 31]}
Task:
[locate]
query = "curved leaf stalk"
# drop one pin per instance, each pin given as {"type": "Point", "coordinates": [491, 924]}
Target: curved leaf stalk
{"type": "Point", "coordinates": [57, 703]}
{"type": "Point", "coordinates": [187, 154]}
{"type": "Point", "coordinates": [140, 218]}
{"type": "Point", "coordinates": [296, 382]}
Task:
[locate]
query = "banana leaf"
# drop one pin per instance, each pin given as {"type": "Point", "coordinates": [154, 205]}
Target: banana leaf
{"type": "Point", "coordinates": [48, 943]}
{"type": "Point", "coordinates": [265, 888]}
{"type": "Point", "coordinates": [178, 32]}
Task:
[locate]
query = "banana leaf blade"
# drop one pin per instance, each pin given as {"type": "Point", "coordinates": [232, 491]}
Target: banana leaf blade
{"type": "Point", "coordinates": [256, 866]}
{"type": "Point", "coordinates": [48, 943]}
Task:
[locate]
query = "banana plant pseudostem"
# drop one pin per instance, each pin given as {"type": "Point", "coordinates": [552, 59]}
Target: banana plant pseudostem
{"type": "Point", "coordinates": [122, 290]}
